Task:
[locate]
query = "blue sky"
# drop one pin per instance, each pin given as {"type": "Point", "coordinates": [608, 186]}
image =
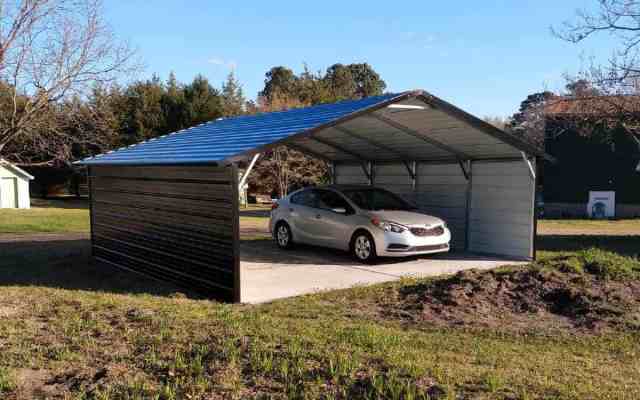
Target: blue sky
{"type": "Point", "coordinates": [482, 56]}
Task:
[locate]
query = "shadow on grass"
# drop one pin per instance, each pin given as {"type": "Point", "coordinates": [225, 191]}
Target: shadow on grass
{"type": "Point", "coordinates": [66, 264]}
{"type": "Point", "coordinates": [623, 245]}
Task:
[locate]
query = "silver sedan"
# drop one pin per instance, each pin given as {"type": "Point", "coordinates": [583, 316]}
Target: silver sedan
{"type": "Point", "coordinates": [367, 221]}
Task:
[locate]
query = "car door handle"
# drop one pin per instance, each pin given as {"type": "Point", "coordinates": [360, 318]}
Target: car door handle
{"type": "Point", "coordinates": [318, 216]}
{"type": "Point", "coordinates": [291, 210]}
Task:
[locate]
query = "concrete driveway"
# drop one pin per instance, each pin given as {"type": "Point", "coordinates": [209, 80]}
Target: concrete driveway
{"type": "Point", "coordinates": [268, 273]}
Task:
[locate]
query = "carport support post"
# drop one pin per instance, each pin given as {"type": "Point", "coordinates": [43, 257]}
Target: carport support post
{"type": "Point", "coordinates": [467, 215]}
{"type": "Point", "coordinates": [332, 173]}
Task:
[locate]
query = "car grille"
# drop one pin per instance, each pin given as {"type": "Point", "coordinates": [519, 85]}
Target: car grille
{"type": "Point", "coordinates": [437, 231]}
{"type": "Point", "coordinates": [430, 248]}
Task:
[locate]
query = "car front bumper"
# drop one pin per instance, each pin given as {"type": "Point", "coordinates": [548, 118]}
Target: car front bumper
{"type": "Point", "coordinates": [390, 244]}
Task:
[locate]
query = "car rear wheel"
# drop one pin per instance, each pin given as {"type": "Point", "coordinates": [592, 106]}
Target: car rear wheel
{"type": "Point", "coordinates": [283, 236]}
{"type": "Point", "coordinates": [363, 248]}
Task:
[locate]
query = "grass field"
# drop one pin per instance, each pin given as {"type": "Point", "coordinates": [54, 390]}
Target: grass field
{"type": "Point", "coordinates": [71, 329]}
{"type": "Point", "coordinates": [62, 216]}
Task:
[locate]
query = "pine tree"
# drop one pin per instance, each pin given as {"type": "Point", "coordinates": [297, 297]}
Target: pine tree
{"type": "Point", "coordinates": [233, 100]}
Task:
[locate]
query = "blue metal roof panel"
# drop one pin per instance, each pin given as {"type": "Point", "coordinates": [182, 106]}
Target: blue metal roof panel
{"type": "Point", "coordinates": [224, 138]}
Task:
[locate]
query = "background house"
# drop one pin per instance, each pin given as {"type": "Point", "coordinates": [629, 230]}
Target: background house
{"type": "Point", "coordinates": [14, 186]}
{"type": "Point", "coordinates": [597, 149]}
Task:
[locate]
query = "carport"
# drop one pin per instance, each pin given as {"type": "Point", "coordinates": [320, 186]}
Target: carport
{"type": "Point", "coordinates": [168, 207]}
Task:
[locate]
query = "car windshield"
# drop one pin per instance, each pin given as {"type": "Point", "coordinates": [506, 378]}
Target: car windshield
{"type": "Point", "coordinates": [377, 199]}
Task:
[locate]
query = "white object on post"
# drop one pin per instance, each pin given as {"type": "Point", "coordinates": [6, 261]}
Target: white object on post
{"type": "Point", "coordinates": [602, 204]}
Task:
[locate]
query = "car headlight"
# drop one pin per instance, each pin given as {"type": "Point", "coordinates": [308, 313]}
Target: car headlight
{"type": "Point", "coordinates": [388, 226]}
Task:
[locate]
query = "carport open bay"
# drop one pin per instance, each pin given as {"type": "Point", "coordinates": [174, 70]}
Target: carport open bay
{"type": "Point", "coordinates": [269, 273]}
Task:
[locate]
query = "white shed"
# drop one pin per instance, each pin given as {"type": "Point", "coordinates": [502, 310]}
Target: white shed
{"type": "Point", "coordinates": [14, 186]}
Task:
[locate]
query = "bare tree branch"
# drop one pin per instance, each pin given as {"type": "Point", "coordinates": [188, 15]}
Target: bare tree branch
{"type": "Point", "coordinates": [51, 51]}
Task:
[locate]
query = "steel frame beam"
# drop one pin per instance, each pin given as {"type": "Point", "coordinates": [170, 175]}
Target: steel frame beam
{"type": "Point", "coordinates": [248, 170]}
{"type": "Point", "coordinates": [402, 156]}
{"type": "Point", "coordinates": [304, 149]}
{"type": "Point", "coordinates": [532, 172]}
{"type": "Point", "coordinates": [465, 166]}
{"type": "Point", "coordinates": [405, 129]}
{"type": "Point", "coordinates": [332, 144]}
{"type": "Point", "coordinates": [372, 142]}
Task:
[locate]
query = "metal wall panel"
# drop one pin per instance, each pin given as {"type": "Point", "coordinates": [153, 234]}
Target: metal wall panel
{"type": "Point", "coordinates": [350, 174]}
{"type": "Point", "coordinates": [174, 223]}
{"type": "Point", "coordinates": [502, 207]}
{"type": "Point", "coordinates": [441, 190]}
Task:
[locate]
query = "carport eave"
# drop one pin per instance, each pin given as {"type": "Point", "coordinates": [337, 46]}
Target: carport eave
{"type": "Point", "coordinates": [427, 98]}
{"type": "Point", "coordinates": [481, 125]}
{"type": "Point", "coordinates": [310, 132]}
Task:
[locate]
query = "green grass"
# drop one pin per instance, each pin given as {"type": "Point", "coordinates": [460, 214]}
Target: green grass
{"type": "Point", "coordinates": [319, 346]}
{"type": "Point", "coordinates": [44, 220]}
{"type": "Point", "coordinates": [94, 333]}
{"type": "Point", "coordinates": [583, 227]}
{"type": "Point", "coordinates": [68, 216]}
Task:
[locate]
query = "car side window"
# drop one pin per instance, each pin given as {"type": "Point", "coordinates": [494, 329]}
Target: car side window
{"type": "Point", "coordinates": [305, 198]}
{"type": "Point", "coordinates": [329, 200]}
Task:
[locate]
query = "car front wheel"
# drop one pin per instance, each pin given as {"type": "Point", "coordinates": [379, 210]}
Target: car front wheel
{"type": "Point", "coordinates": [364, 248]}
{"type": "Point", "coordinates": [283, 236]}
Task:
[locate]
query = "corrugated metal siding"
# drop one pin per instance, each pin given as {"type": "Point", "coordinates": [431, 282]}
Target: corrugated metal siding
{"type": "Point", "coordinates": [174, 223]}
{"type": "Point", "coordinates": [395, 178]}
{"type": "Point", "coordinates": [220, 139]}
{"type": "Point", "coordinates": [441, 190]}
{"type": "Point", "coordinates": [502, 206]}
{"type": "Point", "coordinates": [350, 174]}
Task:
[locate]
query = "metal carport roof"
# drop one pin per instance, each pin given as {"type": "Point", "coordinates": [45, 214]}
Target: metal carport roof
{"type": "Point", "coordinates": [413, 125]}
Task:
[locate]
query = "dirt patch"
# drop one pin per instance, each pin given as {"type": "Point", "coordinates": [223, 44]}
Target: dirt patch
{"type": "Point", "coordinates": [528, 298]}
{"type": "Point", "coordinates": [45, 384]}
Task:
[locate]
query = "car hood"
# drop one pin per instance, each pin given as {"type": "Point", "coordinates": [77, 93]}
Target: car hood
{"type": "Point", "coordinates": [407, 217]}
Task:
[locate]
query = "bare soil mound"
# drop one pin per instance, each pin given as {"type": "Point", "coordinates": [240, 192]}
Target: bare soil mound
{"type": "Point", "coordinates": [588, 292]}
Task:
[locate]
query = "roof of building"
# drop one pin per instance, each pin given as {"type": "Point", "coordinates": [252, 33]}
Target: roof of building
{"type": "Point", "coordinates": [592, 105]}
{"type": "Point", "coordinates": [337, 132]}
{"type": "Point", "coordinates": [15, 169]}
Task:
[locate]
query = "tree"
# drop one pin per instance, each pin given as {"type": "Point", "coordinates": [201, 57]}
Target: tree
{"type": "Point", "coordinates": [367, 81]}
{"type": "Point", "coordinates": [353, 81]}
{"type": "Point", "coordinates": [279, 82]}
{"type": "Point", "coordinates": [498, 122]}
{"type": "Point", "coordinates": [143, 114]}
{"type": "Point", "coordinates": [529, 123]}
{"type": "Point", "coordinates": [340, 82]}
{"type": "Point", "coordinates": [233, 100]}
{"type": "Point", "coordinates": [621, 20]}
{"type": "Point", "coordinates": [204, 102]}
{"type": "Point", "coordinates": [617, 83]}
{"type": "Point", "coordinates": [174, 105]}
{"type": "Point", "coordinates": [50, 51]}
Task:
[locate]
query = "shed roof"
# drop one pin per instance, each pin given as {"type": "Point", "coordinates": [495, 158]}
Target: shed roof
{"type": "Point", "coordinates": [412, 125]}
{"type": "Point", "coordinates": [15, 169]}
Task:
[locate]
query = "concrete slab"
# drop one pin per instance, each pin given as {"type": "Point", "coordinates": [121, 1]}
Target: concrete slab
{"type": "Point", "coordinates": [268, 273]}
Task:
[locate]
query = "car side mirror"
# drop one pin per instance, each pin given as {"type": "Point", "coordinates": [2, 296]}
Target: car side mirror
{"type": "Point", "coordinates": [339, 210]}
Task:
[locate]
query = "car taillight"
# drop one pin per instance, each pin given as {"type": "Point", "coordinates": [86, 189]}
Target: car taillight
{"type": "Point", "coordinates": [274, 206]}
